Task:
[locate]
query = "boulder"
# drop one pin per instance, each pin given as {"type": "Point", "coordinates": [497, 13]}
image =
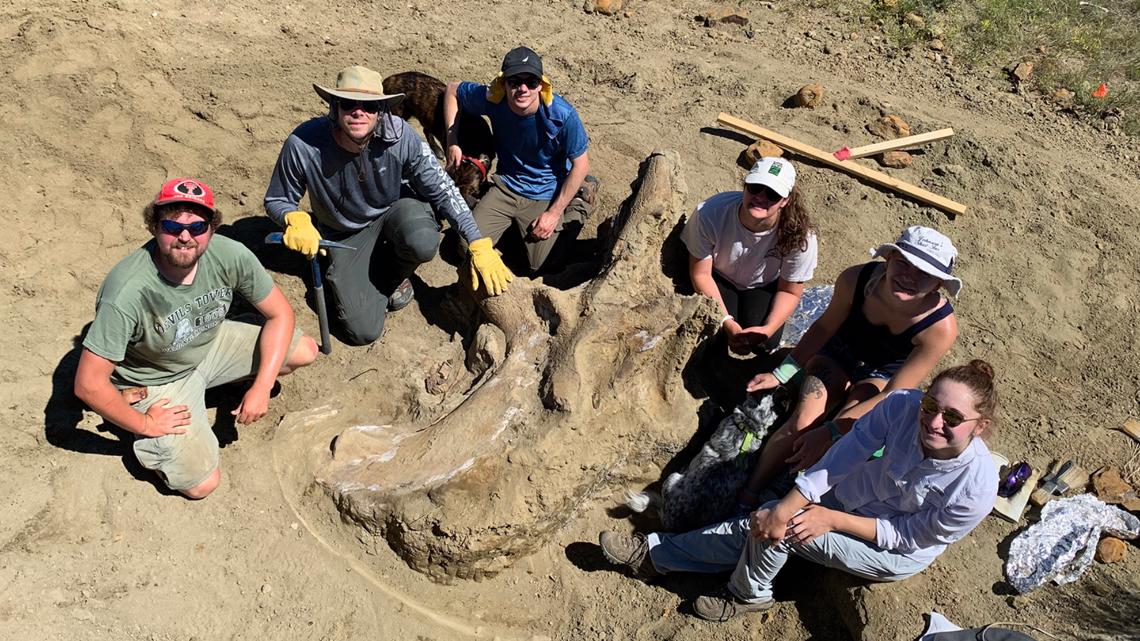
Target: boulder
{"type": "Point", "coordinates": [1111, 550]}
{"type": "Point", "coordinates": [889, 127]}
{"type": "Point", "coordinates": [808, 96]}
{"type": "Point", "coordinates": [896, 159]}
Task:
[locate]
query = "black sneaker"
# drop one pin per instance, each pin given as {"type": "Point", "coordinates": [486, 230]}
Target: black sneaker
{"type": "Point", "coordinates": [403, 295]}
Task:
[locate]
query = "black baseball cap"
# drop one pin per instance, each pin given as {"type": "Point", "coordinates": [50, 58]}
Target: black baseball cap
{"type": "Point", "coordinates": [522, 60]}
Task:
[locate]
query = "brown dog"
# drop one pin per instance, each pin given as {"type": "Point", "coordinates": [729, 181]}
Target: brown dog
{"type": "Point", "coordinates": [424, 102]}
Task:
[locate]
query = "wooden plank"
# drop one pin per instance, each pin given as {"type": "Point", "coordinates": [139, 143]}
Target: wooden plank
{"type": "Point", "coordinates": [900, 143]}
{"type": "Point", "coordinates": [1131, 428]}
{"type": "Point", "coordinates": [853, 168]}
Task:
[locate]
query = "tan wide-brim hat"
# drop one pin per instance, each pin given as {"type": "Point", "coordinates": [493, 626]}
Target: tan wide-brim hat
{"type": "Point", "coordinates": [358, 83]}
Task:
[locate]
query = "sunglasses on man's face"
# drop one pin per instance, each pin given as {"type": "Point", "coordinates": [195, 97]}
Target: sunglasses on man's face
{"type": "Point", "coordinates": [196, 228]}
{"type": "Point", "coordinates": [369, 106]}
{"type": "Point", "coordinates": [531, 82]}
{"type": "Point", "coordinates": [769, 194]}
{"type": "Point", "coordinates": [950, 416]}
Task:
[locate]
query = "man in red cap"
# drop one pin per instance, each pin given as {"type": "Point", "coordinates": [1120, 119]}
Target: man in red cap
{"type": "Point", "coordinates": [160, 338]}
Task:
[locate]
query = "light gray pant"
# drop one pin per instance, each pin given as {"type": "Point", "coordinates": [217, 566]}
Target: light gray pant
{"type": "Point", "coordinates": [755, 563]}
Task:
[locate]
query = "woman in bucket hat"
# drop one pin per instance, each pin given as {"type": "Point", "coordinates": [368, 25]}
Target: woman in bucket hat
{"type": "Point", "coordinates": [751, 251]}
{"type": "Point", "coordinates": [886, 328]}
{"type": "Point", "coordinates": [352, 164]}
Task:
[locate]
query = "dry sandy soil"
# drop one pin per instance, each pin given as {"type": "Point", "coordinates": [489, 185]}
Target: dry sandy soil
{"type": "Point", "coordinates": [101, 101]}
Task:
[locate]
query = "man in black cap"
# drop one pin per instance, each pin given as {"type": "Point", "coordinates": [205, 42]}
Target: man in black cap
{"type": "Point", "coordinates": [541, 147]}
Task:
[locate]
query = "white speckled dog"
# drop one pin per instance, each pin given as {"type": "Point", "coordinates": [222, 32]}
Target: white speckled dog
{"type": "Point", "coordinates": [706, 491]}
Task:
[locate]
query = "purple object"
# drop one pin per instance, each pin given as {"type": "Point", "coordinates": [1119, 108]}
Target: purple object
{"type": "Point", "coordinates": [1015, 477]}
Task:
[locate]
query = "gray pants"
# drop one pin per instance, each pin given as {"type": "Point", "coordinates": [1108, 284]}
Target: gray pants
{"type": "Point", "coordinates": [501, 208]}
{"type": "Point", "coordinates": [755, 563]}
{"type": "Point", "coordinates": [388, 250]}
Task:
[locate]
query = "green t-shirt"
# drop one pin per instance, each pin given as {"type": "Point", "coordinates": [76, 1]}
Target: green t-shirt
{"type": "Point", "coordinates": [156, 332]}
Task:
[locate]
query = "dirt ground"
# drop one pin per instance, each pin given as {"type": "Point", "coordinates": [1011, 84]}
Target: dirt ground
{"type": "Point", "coordinates": [102, 101]}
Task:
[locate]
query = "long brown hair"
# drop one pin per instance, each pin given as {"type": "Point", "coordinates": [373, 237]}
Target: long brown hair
{"type": "Point", "coordinates": [794, 225]}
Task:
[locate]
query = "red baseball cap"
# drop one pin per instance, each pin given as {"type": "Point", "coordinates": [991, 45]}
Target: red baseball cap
{"type": "Point", "coordinates": [186, 190]}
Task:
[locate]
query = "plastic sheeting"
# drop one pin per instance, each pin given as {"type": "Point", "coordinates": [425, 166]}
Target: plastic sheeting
{"type": "Point", "coordinates": [814, 301]}
{"type": "Point", "coordinates": [1061, 546]}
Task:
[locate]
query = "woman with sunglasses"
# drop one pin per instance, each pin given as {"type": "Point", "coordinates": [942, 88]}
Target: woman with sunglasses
{"type": "Point", "coordinates": [752, 251]}
{"type": "Point", "coordinates": [882, 519]}
{"type": "Point", "coordinates": [886, 328]}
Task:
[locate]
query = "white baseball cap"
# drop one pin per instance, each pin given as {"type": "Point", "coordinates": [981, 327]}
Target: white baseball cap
{"type": "Point", "coordinates": [928, 250]}
{"type": "Point", "coordinates": [773, 172]}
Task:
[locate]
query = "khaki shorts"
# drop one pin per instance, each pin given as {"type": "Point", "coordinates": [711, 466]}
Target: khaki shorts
{"type": "Point", "coordinates": [185, 460]}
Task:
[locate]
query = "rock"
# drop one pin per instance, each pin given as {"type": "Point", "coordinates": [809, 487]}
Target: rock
{"type": "Point", "coordinates": [808, 96]}
{"type": "Point", "coordinates": [1111, 488]}
{"type": "Point", "coordinates": [890, 4]}
{"type": "Point", "coordinates": [889, 127]}
{"type": "Point", "coordinates": [936, 45]}
{"type": "Point", "coordinates": [896, 159]}
{"type": "Point", "coordinates": [763, 149]}
{"type": "Point", "coordinates": [1111, 550]}
{"type": "Point", "coordinates": [949, 170]}
{"type": "Point", "coordinates": [1062, 95]}
{"type": "Point", "coordinates": [1022, 72]}
{"type": "Point", "coordinates": [487, 349]}
{"type": "Point", "coordinates": [915, 20]}
{"type": "Point", "coordinates": [604, 7]}
{"type": "Point", "coordinates": [731, 15]}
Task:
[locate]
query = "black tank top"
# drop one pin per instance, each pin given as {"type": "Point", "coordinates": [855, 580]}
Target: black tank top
{"type": "Point", "coordinates": [875, 345]}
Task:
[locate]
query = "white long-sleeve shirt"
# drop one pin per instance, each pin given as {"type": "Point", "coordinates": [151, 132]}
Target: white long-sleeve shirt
{"type": "Point", "coordinates": [920, 504]}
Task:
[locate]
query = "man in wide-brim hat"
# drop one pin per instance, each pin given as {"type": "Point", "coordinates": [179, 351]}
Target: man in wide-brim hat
{"type": "Point", "coordinates": [351, 163]}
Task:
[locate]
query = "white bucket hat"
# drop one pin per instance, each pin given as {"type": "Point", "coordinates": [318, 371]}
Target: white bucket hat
{"type": "Point", "coordinates": [773, 172]}
{"type": "Point", "coordinates": [358, 83]}
{"type": "Point", "coordinates": [928, 250]}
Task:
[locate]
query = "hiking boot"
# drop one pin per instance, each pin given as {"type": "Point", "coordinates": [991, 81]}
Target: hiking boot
{"type": "Point", "coordinates": [402, 296]}
{"type": "Point", "coordinates": [588, 192]}
{"type": "Point", "coordinates": [725, 605]}
{"type": "Point", "coordinates": [630, 550]}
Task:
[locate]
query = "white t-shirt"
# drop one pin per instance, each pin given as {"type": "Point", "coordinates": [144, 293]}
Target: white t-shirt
{"type": "Point", "coordinates": [746, 258]}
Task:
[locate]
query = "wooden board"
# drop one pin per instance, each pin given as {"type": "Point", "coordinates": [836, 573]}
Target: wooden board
{"type": "Point", "coordinates": [848, 166]}
{"type": "Point", "coordinates": [1131, 428]}
{"type": "Point", "coordinates": [1011, 508]}
{"type": "Point", "coordinates": [900, 143]}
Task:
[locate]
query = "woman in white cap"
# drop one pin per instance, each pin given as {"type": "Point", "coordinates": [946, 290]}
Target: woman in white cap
{"type": "Point", "coordinates": [886, 328]}
{"type": "Point", "coordinates": [751, 251]}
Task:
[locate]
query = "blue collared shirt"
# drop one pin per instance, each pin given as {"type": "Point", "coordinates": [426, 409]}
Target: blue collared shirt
{"type": "Point", "coordinates": [920, 504]}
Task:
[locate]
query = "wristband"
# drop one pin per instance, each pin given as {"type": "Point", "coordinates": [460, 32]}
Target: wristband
{"type": "Point", "coordinates": [786, 370]}
{"type": "Point", "coordinates": [727, 317]}
{"type": "Point", "coordinates": [834, 430]}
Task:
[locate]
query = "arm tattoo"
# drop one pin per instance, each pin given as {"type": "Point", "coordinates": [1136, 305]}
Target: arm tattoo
{"type": "Point", "coordinates": [812, 387]}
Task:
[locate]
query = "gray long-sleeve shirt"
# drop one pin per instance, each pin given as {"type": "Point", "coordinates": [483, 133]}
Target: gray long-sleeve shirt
{"type": "Point", "coordinates": [347, 191]}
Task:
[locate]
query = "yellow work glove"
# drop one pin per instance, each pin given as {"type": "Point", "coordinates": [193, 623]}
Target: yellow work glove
{"type": "Point", "coordinates": [485, 263]}
{"type": "Point", "coordinates": [300, 235]}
